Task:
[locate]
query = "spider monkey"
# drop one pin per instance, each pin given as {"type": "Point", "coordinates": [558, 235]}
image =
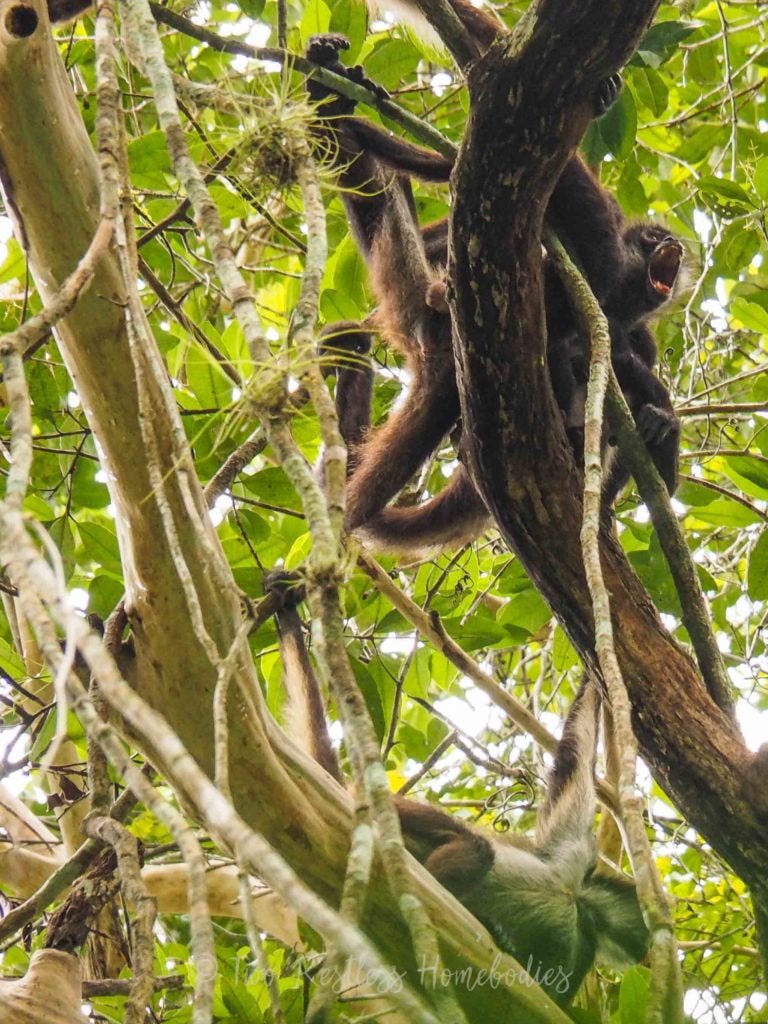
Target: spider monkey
{"type": "Point", "coordinates": [543, 900]}
{"type": "Point", "coordinates": [633, 271]}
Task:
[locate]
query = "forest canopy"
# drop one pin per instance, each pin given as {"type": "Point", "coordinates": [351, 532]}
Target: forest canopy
{"type": "Point", "coordinates": [174, 240]}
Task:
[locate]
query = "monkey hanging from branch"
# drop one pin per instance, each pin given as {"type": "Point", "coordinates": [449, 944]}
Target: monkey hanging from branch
{"type": "Point", "coordinates": [544, 900]}
{"type": "Point", "coordinates": [634, 270]}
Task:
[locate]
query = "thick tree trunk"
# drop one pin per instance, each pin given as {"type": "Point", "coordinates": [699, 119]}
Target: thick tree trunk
{"type": "Point", "coordinates": [527, 115]}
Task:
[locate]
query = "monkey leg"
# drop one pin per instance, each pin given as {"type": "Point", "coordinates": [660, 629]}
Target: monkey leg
{"type": "Point", "coordinates": [393, 453]}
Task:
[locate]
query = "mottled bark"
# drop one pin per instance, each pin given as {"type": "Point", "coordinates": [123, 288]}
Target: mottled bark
{"type": "Point", "coordinates": [528, 112]}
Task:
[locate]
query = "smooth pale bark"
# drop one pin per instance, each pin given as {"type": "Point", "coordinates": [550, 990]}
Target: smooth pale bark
{"type": "Point", "coordinates": [49, 993]}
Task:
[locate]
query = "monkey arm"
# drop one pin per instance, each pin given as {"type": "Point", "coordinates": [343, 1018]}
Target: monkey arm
{"type": "Point", "coordinates": [569, 810]}
{"type": "Point", "coordinates": [649, 402]}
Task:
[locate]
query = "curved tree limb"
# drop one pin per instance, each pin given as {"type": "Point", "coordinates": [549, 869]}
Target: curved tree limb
{"type": "Point", "coordinates": [530, 103]}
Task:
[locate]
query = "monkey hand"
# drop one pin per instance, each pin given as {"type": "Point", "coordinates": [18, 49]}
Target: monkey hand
{"type": "Point", "coordinates": [660, 429]}
{"type": "Point", "coordinates": [607, 93]}
{"type": "Point", "coordinates": [324, 50]}
{"type": "Point", "coordinates": [286, 587]}
{"type": "Point", "coordinates": [656, 424]}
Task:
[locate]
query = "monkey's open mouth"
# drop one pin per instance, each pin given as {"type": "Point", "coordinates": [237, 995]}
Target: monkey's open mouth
{"type": "Point", "coordinates": [664, 267]}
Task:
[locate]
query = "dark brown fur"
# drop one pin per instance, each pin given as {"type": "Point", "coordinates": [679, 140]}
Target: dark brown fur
{"type": "Point", "coordinates": [66, 10]}
{"type": "Point", "coordinates": [407, 271]}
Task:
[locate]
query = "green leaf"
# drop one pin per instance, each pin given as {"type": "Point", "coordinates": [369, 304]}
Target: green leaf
{"type": "Point", "coordinates": [256, 527]}
{"type": "Point", "coordinates": [60, 532]}
{"type": "Point", "coordinates": [528, 611]}
{"type": "Point", "coordinates": [10, 661]}
{"type": "Point", "coordinates": [478, 632]}
{"type": "Point", "coordinates": [725, 197]}
{"type": "Point", "coordinates": [371, 696]}
{"type": "Point", "coordinates": [564, 654]}
{"type": "Point", "coordinates": [149, 160]}
{"type": "Point", "coordinates": [100, 546]}
{"type": "Point", "coordinates": [272, 486]}
{"type": "Point", "coordinates": [87, 491]}
{"type": "Point", "coordinates": [724, 512]}
{"type": "Point", "coordinates": [349, 18]}
{"type": "Point", "coordinates": [651, 89]}
{"type": "Point", "coordinates": [757, 571]}
{"type": "Point", "coordinates": [737, 248]}
{"type": "Point", "coordinates": [299, 551]}
{"type": "Point", "coordinates": [314, 21]}
{"type": "Point", "coordinates": [750, 475]}
{"type": "Point", "coordinates": [14, 265]}
{"type": "Point", "coordinates": [231, 205]}
{"type": "Point", "coordinates": [104, 593]}
{"type": "Point", "coordinates": [618, 127]}
{"type": "Point", "coordinates": [661, 41]}
{"type": "Point", "coordinates": [43, 389]}
{"type": "Point", "coordinates": [391, 63]}
{"type": "Point", "coordinates": [750, 314]}
{"type": "Point", "coordinates": [760, 177]}
{"type": "Point", "coordinates": [239, 1001]}
{"type": "Point", "coordinates": [206, 380]}
{"type": "Point", "coordinates": [251, 8]}
{"type": "Point", "coordinates": [634, 995]}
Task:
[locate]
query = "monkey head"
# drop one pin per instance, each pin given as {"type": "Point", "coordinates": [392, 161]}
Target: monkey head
{"type": "Point", "coordinates": [653, 273]}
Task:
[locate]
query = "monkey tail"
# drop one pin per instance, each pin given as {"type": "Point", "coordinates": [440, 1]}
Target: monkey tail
{"type": "Point", "coordinates": [453, 517]}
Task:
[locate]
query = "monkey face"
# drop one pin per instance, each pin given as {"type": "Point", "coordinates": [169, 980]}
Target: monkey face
{"type": "Point", "coordinates": [652, 274]}
{"type": "Point", "coordinates": [664, 258]}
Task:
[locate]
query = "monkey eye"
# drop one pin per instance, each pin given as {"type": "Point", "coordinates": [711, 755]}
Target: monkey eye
{"type": "Point", "coordinates": [664, 266]}
{"type": "Point", "coordinates": [650, 239]}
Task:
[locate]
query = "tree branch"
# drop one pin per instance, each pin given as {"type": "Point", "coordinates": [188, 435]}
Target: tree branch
{"type": "Point", "coordinates": [530, 103]}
